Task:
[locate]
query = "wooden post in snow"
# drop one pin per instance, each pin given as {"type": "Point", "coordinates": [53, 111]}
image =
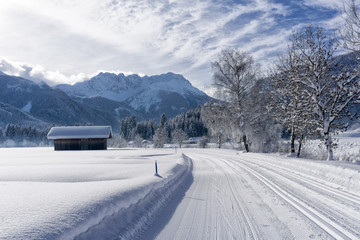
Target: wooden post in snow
{"type": "Point", "coordinates": [156, 169]}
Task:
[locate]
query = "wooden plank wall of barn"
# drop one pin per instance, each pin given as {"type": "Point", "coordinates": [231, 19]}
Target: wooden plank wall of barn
{"type": "Point", "coordinates": [81, 144]}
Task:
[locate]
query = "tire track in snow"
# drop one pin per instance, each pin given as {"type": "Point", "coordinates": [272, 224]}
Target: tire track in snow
{"type": "Point", "coordinates": [332, 228]}
{"type": "Point", "coordinates": [195, 216]}
{"type": "Point", "coordinates": [243, 212]}
{"type": "Point", "coordinates": [250, 231]}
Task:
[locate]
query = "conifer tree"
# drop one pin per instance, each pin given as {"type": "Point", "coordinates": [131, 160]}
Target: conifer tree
{"type": "Point", "coordinates": [163, 120]}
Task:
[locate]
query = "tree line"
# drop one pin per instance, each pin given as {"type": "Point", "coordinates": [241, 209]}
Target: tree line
{"type": "Point", "coordinates": [175, 130]}
{"type": "Point", "coordinates": [307, 92]}
{"type": "Point", "coordinates": [17, 134]}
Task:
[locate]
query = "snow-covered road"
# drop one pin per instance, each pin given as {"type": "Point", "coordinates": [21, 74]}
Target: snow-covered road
{"type": "Point", "coordinates": [257, 196]}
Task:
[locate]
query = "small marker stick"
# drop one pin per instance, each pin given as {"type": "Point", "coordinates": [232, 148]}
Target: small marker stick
{"type": "Point", "coordinates": [156, 170]}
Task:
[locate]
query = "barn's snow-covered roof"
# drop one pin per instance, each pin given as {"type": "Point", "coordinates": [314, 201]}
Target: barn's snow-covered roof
{"type": "Point", "coordinates": [80, 132]}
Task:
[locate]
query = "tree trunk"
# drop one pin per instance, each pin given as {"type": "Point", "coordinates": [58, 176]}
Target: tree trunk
{"type": "Point", "coordinates": [292, 140]}
{"type": "Point", "coordinates": [300, 144]}
{"type": "Point", "coordinates": [329, 147]}
{"type": "Point", "coordinates": [246, 145]}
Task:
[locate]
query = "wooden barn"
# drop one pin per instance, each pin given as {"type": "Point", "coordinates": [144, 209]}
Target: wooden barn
{"type": "Point", "coordinates": [80, 137]}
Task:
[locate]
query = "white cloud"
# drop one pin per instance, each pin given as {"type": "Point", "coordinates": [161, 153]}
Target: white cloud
{"type": "Point", "coordinates": [38, 73]}
{"type": "Point", "coordinates": [152, 37]}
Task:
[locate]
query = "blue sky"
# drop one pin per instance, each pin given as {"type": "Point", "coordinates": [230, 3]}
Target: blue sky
{"type": "Point", "coordinates": [65, 41]}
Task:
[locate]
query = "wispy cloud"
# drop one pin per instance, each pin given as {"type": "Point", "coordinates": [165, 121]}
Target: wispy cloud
{"type": "Point", "coordinates": [332, 4]}
{"type": "Point", "coordinates": [76, 38]}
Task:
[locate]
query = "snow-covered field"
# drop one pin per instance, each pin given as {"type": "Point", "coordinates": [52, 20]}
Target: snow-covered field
{"type": "Point", "coordinates": [347, 149]}
{"type": "Point", "coordinates": [201, 194]}
{"type": "Point", "coordinates": [47, 194]}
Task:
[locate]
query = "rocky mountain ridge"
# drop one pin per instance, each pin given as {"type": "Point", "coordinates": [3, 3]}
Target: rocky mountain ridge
{"type": "Point", "coordinates": [103, 100]}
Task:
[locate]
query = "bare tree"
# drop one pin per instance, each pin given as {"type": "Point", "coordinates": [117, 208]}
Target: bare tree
{"type": "Point", "coordinates": [234, 75]}
{"type": "Point", "coordinates": [330, 92]}
{"type": "Point", "coordinates": [138, 140]}
{"type": "Point", "coordinates": [288, 100]}
{"type": "Point", "coordinates": [264, 133]}
{"type": "Point", "coordinates": [351, 31]}
{"type": "Point", "coordinates": [218, 120]}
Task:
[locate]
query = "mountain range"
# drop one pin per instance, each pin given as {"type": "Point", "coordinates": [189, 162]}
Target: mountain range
{"type": "Point", "coordinates": [102, 100]}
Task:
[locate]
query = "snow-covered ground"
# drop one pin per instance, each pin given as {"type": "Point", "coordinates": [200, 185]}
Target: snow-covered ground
{"type": "Point", "coordinates": [258, 196]}
{"type": "Point", "coordinates": [347, 147]}
{"type": "Point", "coordinates": [201, 194]}
{"type": "Point", "coordinates": [47, 194]}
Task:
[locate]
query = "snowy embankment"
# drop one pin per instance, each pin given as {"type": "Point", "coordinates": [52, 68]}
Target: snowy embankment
{"type": "Point", "coordinates": [85, 195]}
{"type": "Point", "coordinates": [344, 175]}
{"type": "Point", "coordinates": [347, 147]}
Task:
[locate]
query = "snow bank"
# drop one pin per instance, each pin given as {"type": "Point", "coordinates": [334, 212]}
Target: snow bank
{"type": "Point", "coordinates": [131, 213]}
{"type": "Point", "coordinates": [347, 148]}
{"type": "Point", "coordinates": [342, 174]}
{"type": "Point", "coordinates": [346, 175]}
{"type": "Point", "coordinates": [47, 194]}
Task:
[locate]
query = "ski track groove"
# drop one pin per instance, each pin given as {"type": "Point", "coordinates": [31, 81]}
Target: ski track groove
{"type": "Point", "coordinates": [248, 196]}
{"type": "Point", "coordinates": [338, 203]}
{"type": "Point", "coordinates": [248, 222]}
{"type": "Point", "coordinates": [354, 198]}
{"type": "Point", "coordinates": [242, 213]}
{"type": "Point", "coordinates": [320, 219]}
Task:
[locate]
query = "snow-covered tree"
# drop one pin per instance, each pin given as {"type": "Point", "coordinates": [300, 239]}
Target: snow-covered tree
{"type": "Point", "coordinates": [23, 134]}
{"type": "Point", "coordinates": [234, 75]}
{"type": "Point", "coordinates": [263, 132]}
{"type": "Point", "coordinates": [10, 131]}
{"type": "Point", "coordinates": [217, 118]}
{"type": "Point", "coordinates": [160, 138]}
{"type": "Point", "coordinates": [163, 120]}
{"type": "Point", "coordinates": [331, 90]}
{"type": "Point", "coordinates": [179, 136]}
{"type": "Point", "coordinates": [350, 33]}
{"type": "Point", "coordinates": [190, 122]}
{"type": "Point", "coordinates": [288, 100]}
{"type": "Point", "coordinates": [203, 142]}
{"type": "Point", "coordinates": [146, 129]}
{"type": "Point", "coordinates": [117, 141]}
{"type": "Point", "coordinates": [128, 128]}
{"type": "Point", "coordinates": [138, 141]}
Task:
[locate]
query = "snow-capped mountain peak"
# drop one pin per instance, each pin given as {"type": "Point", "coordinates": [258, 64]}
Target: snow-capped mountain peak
{"type": "Point", "coordinates": [147, 93]}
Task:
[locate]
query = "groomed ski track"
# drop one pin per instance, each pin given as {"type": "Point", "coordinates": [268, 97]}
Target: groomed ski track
{"type": "Point", "coordinates": [256, 196]}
